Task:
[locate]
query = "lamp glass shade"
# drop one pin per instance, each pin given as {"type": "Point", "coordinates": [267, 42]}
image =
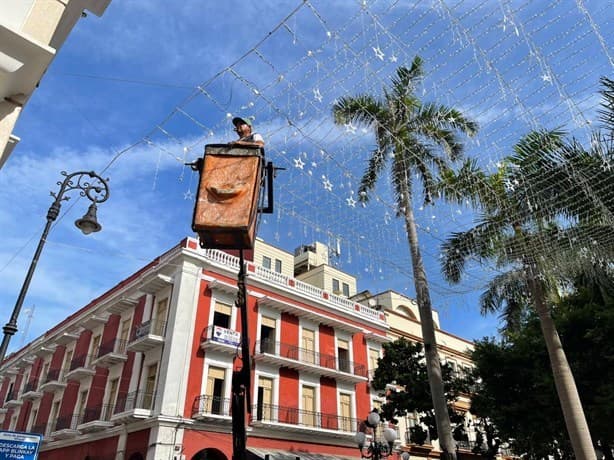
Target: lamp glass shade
{"type": "Point", "coordinates": [89, 223]}
{"type": "Point", "coordinates": [360, 438]}
{"type": "Point", "coordinates": [390, 435]}
{"type": "Point", "coordinates": [373, 418]}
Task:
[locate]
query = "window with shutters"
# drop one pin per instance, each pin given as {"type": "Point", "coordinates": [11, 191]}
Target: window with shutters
{"type": "Point", "coordinates": [150, 386]}
{"type": "Point", "coordinates": [373, 357]}
{"type": "Point", "coordinates": [111, 396]}
{"type": "Point", "coordinates": [67, 361]}
{"type": "Point", "coordinates": [32, 419]}
{"type": "Point", "coordinates": [124, 335]}
{"type": "Point", "coordinates": [81, 406]}
{"type": "Point", "coordinates": [309, 406]}
{"type": "Point", "coordinates": [94, 347]}
{"type": "Point", "coordinates": [264, 410]}
{"type": "Point", "coordinates": [160, 317]}
{"type": "Point", "coordinates": [308, 346]}
{"type": "Point", "coordinates": [214, 401]}
{"type": "Point", "coordinates": [222, 313]}
{"type": "Point", "coordinates": [343, 355]}
{"type": "Point", "coordinates": [345, 409]}
{"type": "Point", "coordinates": [55, 410]}
{"type": "Point", "coordinates": [45, 372]}
{"type": "Point", "coordinates": [267, 335]}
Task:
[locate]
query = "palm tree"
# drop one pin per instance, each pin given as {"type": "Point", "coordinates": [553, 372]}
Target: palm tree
{"type": "Point", "coordinates": [417, 139]}
{"type": "Point", "coordinates": [547, 216]}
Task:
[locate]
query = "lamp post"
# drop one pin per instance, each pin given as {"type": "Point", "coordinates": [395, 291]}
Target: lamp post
{"type": "Point", "coordinates": [376, 450]}
{"type": "Point", "coordinates": [90, 185]}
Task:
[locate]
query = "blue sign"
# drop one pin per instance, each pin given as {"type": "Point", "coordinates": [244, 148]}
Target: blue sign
{"type": "Point", "coordinates": [19, 446]}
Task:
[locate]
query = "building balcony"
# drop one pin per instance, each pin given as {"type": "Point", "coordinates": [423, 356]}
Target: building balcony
{"type": "Point", "coordinates": [96, 419]}
{"type": "Point", "coordinates": [211, 408]}
{"type": "Point", "coordinates": [147, 335]}
{"type": "Point", "coordinates": [133, 406]}
{"type": "Point", "coordinates": [121, 305]}
{"type": "Point", "coordinates": [53, 381]}
{"type": "Point", "coordinates": [111, 353]}
{"type": "Point", "coordinates": [45, 350]}
{"type": "Point", "coordinates": [284, 418]}
{"type": "Point", "coordinates": [80, 368]}
{"type": "Point", "coordinates": [65, 427]}
{"type": "Point", "coordinates": [220, 339]}
{"type": "Point", "coordinates": [12, 400]}
{"type": "Point", "coordinates": [302, 359]}
{"type": "Point", "coordinates": [31, 392]}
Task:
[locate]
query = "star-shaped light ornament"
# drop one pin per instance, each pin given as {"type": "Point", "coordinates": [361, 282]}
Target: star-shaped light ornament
{"type": "Point", "coordinates": [547, 77]}
{"type": "Point", "coordinates": [393, 58]}
{"type": "Point", "coordinates": [351, 202]}
{"type": "Point", "coordinates": [378, 53]}
{"type": "Point", "coordinates": [299, 163]}
{"type": "Point", "coordinates": [188, 195]}
{"type": "Point", "coordinates": [317, 95]}
{"type": "Point", "coordinates": [327, 184]}
{"type": "Point", "coordinates": [350, 128]}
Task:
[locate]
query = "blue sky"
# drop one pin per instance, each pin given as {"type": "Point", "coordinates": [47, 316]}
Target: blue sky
{"type": "Point", "coordinates": [138, 92]}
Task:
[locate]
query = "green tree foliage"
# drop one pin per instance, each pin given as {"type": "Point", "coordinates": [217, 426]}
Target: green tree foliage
{"type": "Point", "coordinates": [404, 364]}
{"type": "Point", "coordinates": [547, 216]}
{"type": "Point", "coordinates": [517, 392]}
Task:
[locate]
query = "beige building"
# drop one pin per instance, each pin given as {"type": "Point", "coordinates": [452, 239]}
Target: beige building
{"type": "Point", "coordinates": [31, 33]}
{"type": "Point", "coordinates": [403, 318]}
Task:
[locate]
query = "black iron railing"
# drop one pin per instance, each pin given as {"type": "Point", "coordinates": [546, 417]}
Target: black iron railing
{"type": "Point", "coordinates": [134, 400]}
{"type": "Point", "coordinates": [40, 428]}
{"type": "Point", "coordinates": [211, 405]}
{"type": "Point", "coordinates": [79, 361]}
{"type": "Point", "coordinates": [53, 375]}
{"type": "Point", "coordinates": [92, 414]}
{"type": "Point", "coordinates": [30, 386]}
{"type": "Point", "coordinates": [66, 422]}
{"type": "Point", "coordinates": [291, 415]}
{"type": "Point", "coordinates": [112, 346]}
{"type": "Point", "coordinates": [155, 327]}
{"type": "Point", "coordinates": [307, 356]}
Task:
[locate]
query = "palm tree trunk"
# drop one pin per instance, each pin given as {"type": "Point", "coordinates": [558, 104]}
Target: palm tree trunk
{"type": "Point", "coordinates": [433, 365]}
{"type": "Point", "coordinates": [573, 413]}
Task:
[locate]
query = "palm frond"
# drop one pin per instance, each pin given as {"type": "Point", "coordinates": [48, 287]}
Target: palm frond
{"type": "Point", "coordinates": [506, 292]}
{"type": "Point", "coordinates": [471, 184]}
{"type": "Point", "coordinates": [606, 114]}
{"type": "Point", "coordinates": [377, 162]}
{"type": "Point", "coordinates": [362, 109]}
{"type": "Point", "coordinates": [479, 243]}
{"type": "Point", "coordinates": [406, 79]}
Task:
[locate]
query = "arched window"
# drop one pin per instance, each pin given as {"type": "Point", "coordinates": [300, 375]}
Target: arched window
{"type": "Point", "coordinates": [406, 311]}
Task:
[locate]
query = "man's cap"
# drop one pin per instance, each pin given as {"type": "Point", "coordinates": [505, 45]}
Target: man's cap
{"type": "Point", "coordinates": [240, 121]}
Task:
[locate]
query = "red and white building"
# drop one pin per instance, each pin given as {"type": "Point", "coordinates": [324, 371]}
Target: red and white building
{"type": "Point", "coordinates": [144, 371]}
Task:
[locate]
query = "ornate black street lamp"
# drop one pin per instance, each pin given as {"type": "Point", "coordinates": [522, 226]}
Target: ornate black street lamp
{"type": "Point", "coordinates": [376, 450]}
{"type": "Point", "coordinates": [90, 185]}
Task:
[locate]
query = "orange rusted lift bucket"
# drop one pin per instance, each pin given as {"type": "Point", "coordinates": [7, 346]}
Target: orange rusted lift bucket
{"type": "Point", "coordinates": [229, 196]}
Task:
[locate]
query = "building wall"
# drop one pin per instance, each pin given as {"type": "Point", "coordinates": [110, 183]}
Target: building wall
{"type": "Point", "coordinates": [173, 378]}
{"type": "Point", "coordinates": [31, 33]}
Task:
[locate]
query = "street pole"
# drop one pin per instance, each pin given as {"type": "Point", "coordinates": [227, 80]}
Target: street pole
{"type": "Point", "coordinates": [96, 191]}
